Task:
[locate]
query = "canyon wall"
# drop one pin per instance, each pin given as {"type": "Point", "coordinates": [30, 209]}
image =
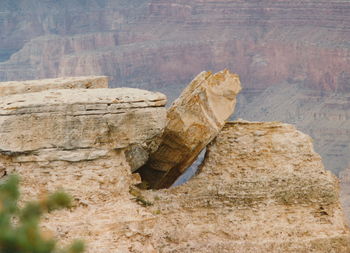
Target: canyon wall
{"type": "Point", "coordinates": [265, 41]}
{"type": "Point", "coordinates": [159, 44]}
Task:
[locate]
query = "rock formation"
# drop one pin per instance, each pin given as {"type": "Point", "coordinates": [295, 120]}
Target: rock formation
{"type": "Point", "coordinates": [345, 192]}
{"type": "Point", "coordinates": [193, 121]}
{"type": "Point", "coordinates": [79, 137]}
{"type": "Point", "coordinates": [159, 44]}
{"type": "Point", "coordinates": [323, 115]}
{"type": "Point", "coordinates": [261, 188]}
{"type": "Point", "coordinates": [93, 82]}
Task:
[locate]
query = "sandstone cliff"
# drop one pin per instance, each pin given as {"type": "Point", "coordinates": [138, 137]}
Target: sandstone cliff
{"type": "Point", "coordinates": [324, 115]}
{"type": "Point", "coordinates": [261, 187]}
{"type": "Point", "coordinates": [345, 192]}
{"type": "Point", "coordinates": [55, 136]}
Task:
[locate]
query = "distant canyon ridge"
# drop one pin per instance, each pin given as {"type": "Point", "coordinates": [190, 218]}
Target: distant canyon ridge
{"type": "Point", "coordinates": [293, 57]}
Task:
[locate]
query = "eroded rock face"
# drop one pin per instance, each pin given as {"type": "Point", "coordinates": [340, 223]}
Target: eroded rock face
{"type": "Point", "coordinates": [77, 138]}
{"type": "Point", "coordinates": [323, 115]}
{"type": "Point", "coordinates": [261, 188]}
{"type": "Point", "coordinates": [19, 87]}
{"type": "Point", "coordinates": [193, 120]}
{"type": "Point", "coordinates": [345, 191]}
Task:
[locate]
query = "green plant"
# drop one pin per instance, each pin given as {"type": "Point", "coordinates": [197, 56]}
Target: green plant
{"type": "Point", "coordinates": [19, 227]}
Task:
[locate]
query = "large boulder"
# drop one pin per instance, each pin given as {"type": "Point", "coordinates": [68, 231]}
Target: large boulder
{"type": "Point", "coordinates": [193, 121]}
{"type": "Point", "coordinates": [79, 138]}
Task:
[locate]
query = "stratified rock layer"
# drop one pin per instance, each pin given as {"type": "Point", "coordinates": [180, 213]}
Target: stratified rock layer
{"type": "Point", "coordinates": [323, 115]}
{"type": "Point", "coordinates": [92, 82]}
{"type": "Point", "coordinates": [194, 120]}
{"type": "Point", "coordinates": [77, 138]}
{"type": "Point", "coordinates": [261, 188]}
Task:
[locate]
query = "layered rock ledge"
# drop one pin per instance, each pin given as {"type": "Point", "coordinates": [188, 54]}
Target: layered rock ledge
{"type": "Point", "coordinates": [85, 82]}
{"type": "Point", "coordinates": [77, 139]}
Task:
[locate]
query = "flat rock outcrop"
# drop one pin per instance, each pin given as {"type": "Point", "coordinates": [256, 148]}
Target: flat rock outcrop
{"type": "Point", "coordinates": [261, 188]}
{"type": "Point", "coordinates": [193, 120]}
{"type": "Point", "coordinates": [78, 138]}
{"type": "Point", "coordinates": [19, 87]}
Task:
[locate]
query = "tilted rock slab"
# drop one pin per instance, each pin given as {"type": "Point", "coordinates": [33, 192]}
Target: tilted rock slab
{"type": "Point", "coordinates": [85, 82]}
{"type": "Point", "coordinates": [261, 188]}
{"type": "Point", "coordinates": [78, 139]}
{"type": "Point", "coordinates": [194, 120]}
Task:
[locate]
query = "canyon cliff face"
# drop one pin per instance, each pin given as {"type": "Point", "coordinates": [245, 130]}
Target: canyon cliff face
{"type": "Point", "coordinates": [159, 44]}
{"type": "Point", "coordinates": [267, 42]}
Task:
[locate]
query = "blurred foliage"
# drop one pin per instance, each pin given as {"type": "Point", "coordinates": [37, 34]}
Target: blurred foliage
{"type": "Point", "coordinates": [19, 227]}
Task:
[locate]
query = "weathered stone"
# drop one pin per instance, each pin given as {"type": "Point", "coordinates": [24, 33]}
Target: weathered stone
{"type": "Point", "coordinates": [79, 137]}
{"type": "Point", "coordinates": [194, 120]}
{"type": "Point", "coordinates": [86, 82]}
{"type": "Point", "coordinates": [261, 188]}
{"type": "Point", "coordinates": [345, 191]}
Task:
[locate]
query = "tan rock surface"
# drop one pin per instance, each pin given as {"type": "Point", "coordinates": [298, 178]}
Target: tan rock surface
{"type": "Point", "coordinates": [261, 188]}
{"type": "Point", "coordinates": [345, 192]}
{"type": "Point", "coordinates": [193, 120]}
{"type": "Point", "coordinates": [77, 139]}
{"type": "Point", "coordinates": [323, 115]}
{"type": "Point", "coordinates": [19, 87]}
